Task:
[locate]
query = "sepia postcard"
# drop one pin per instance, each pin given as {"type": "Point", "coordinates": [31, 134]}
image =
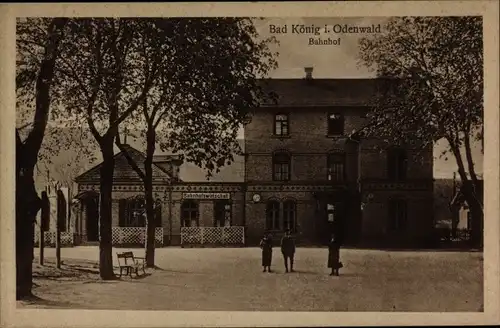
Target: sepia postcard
{"type": "Point", "coordinates": [250, 164]}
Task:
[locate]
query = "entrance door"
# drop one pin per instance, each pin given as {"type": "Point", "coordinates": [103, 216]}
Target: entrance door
{"type": "Point", "coordinates": [222, 213]}
{"type": "Point", "coordinates": [92, 219]}
{"type": "Point", "coordinates": [331, 221]}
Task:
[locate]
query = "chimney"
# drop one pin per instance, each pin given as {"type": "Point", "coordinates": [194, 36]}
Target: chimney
{"type": "Point", "coordinates": [309, 71]}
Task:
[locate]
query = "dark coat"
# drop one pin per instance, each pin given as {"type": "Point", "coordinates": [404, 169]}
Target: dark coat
{"type": "Point", "coordinates": [287, 245]}
{"type": "Point", "coordinates": [334, 255]}
{"type": "Point", "coordinates": [267, 251]}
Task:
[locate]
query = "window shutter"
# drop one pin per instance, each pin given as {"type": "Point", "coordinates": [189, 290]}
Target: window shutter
{"type": "Point", "coordinates": [122, 205]}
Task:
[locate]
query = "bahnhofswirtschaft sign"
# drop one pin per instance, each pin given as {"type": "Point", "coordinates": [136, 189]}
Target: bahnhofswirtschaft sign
{"type": "Point", "coordinates": [206, 195]}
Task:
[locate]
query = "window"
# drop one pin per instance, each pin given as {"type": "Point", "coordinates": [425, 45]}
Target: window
{"type": "Point", "coordinates": [397, 215]}
{"type": "Point", "coordinates": [335, 167]}
{"type": "Point", "coordinates": [281, 166]}
{"type": "Point", "coordinates": [335, 124]}
{"type": "Point", "coordinates": [396, 164]}
{"type": "Point", "coordinates": [281, 124]}
{"type": "Point", "coordinates": [330, 213]}
{"type": "Point", "coordinates": [289, 215]}
{"type": "Point", "coordinates": [222, 213]}
{"type": "Point", "coordinates": [189, 213]}
{"type": "Point", "coordinates": [135, 213]}
{"type": "Point", "coordinates": [273, 215]}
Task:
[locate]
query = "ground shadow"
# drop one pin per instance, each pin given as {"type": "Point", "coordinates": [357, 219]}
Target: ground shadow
{"type": "Point", "coordinates": [142, 276]}
{"type": "Point", "coordinates": [38, 301]}
{"type": "Point", "coordinates": [302, 272]}
{"type": "Point", "coordinates": [80, 269]}
{"type": "Point", "coordinates": [348, 275]}
{"type": "Point", "coordinates": [133, 277]}
{"type": "Point", "coordinates": [409, 249]}
{"type": "Point", "coordinates": [174, 271]}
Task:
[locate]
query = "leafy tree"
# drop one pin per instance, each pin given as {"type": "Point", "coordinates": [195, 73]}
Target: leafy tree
{"type": "Point", "coordinates": [38, 48]}
{"type": "Point", "coordinates": [432, 67]}
{"type": "Point", "coordinates": [104, 82]}
{"type": "Point", "coordinates": [208, 84]}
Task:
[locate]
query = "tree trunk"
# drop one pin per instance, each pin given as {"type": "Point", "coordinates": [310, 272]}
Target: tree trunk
{"type": "Point", "coordinates": [454, 222]}
{"type": "Point", "coordinates": [469, 190]}
{"type": "Point", "coordinates": [148, 188]}
{"type": "Point", "coordinates": [476, 211]}
{"type": "Point", "coordinates": [58, 233]}
{"type": "Point", "coordinates": [41, 243]}
{"type": "Point", "coordinates": [27, 200]}
{"type": "Point", "coordinates": [150, 227]}
{"type": "Point", "coordinates": [105, 212]}
{"type": "Point", "coordinates": [27, 206]}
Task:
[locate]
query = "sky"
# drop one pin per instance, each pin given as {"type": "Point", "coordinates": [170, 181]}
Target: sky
{"type": "Point", "coordinates": [328, 61]}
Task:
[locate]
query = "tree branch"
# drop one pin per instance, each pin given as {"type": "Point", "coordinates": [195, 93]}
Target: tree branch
{"type": "Point", "coordinates": [468, 155]}
{"type": "Point", "coordinates": [43, 85]}
{"type": "Point", "coordinates": [129, 158]}
{"type": "Point", "coordinates": [96, 86]}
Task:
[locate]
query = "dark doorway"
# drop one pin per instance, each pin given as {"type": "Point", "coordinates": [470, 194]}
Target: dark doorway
{"type": "Point", "coordinates": [62, 211]}
{"type": "Point", "coordinates": [332, 216]}
{"type": "Point", "coordinates": [222, 213]}
{"type": "Point", "coordinates": [335, 218]}
{"type": "Point", "coordinates": [92, 219]}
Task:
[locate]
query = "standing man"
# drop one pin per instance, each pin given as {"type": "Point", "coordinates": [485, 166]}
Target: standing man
{"type": "Point", "coordinates": [288, 249]}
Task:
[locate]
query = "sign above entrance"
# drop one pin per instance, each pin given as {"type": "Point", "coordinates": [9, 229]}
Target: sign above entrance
{"type": "Point", "coordinates": [206, 195]}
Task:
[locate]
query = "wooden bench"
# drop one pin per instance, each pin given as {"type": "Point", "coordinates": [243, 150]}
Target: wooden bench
{"type": "Point", "coordinates": [130, 263]}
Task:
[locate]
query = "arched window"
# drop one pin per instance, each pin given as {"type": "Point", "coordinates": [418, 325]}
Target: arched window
{"type": "Point", "coordinates": [397, 163]}
{"type": "Point", "coordinates": [290, 215]}
{"type": "Point", "coordinates": [281, 125]}
{"type": "Point", "coordinates": [222, 213]}
{"type": "Point", "coordinates": [189, 213]}
{"type": "Point", "coordinates": [281, 166]}
{"type": "Point", "coordinates": [273, 215]}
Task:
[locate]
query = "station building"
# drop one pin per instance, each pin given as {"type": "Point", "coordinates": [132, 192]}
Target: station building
{"type": "Point", "coordinates": [301, 171]}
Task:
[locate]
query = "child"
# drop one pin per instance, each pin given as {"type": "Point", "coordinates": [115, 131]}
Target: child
{"type": "Point", "coordinates": [266, 244]}
{"type": "Point", "coordinates": [334, 256]}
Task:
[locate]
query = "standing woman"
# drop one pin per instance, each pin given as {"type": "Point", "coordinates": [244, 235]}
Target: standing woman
{"type": "Point", "coordinates": [266, 244]}
{"type": "Point", "coordinates": [334, 256]}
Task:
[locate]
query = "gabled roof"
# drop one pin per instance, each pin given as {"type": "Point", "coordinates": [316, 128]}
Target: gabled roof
{"type": "Point", "coordinates": [321, 92]}
{"type": "Point", "coordinates": [123, 171]}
